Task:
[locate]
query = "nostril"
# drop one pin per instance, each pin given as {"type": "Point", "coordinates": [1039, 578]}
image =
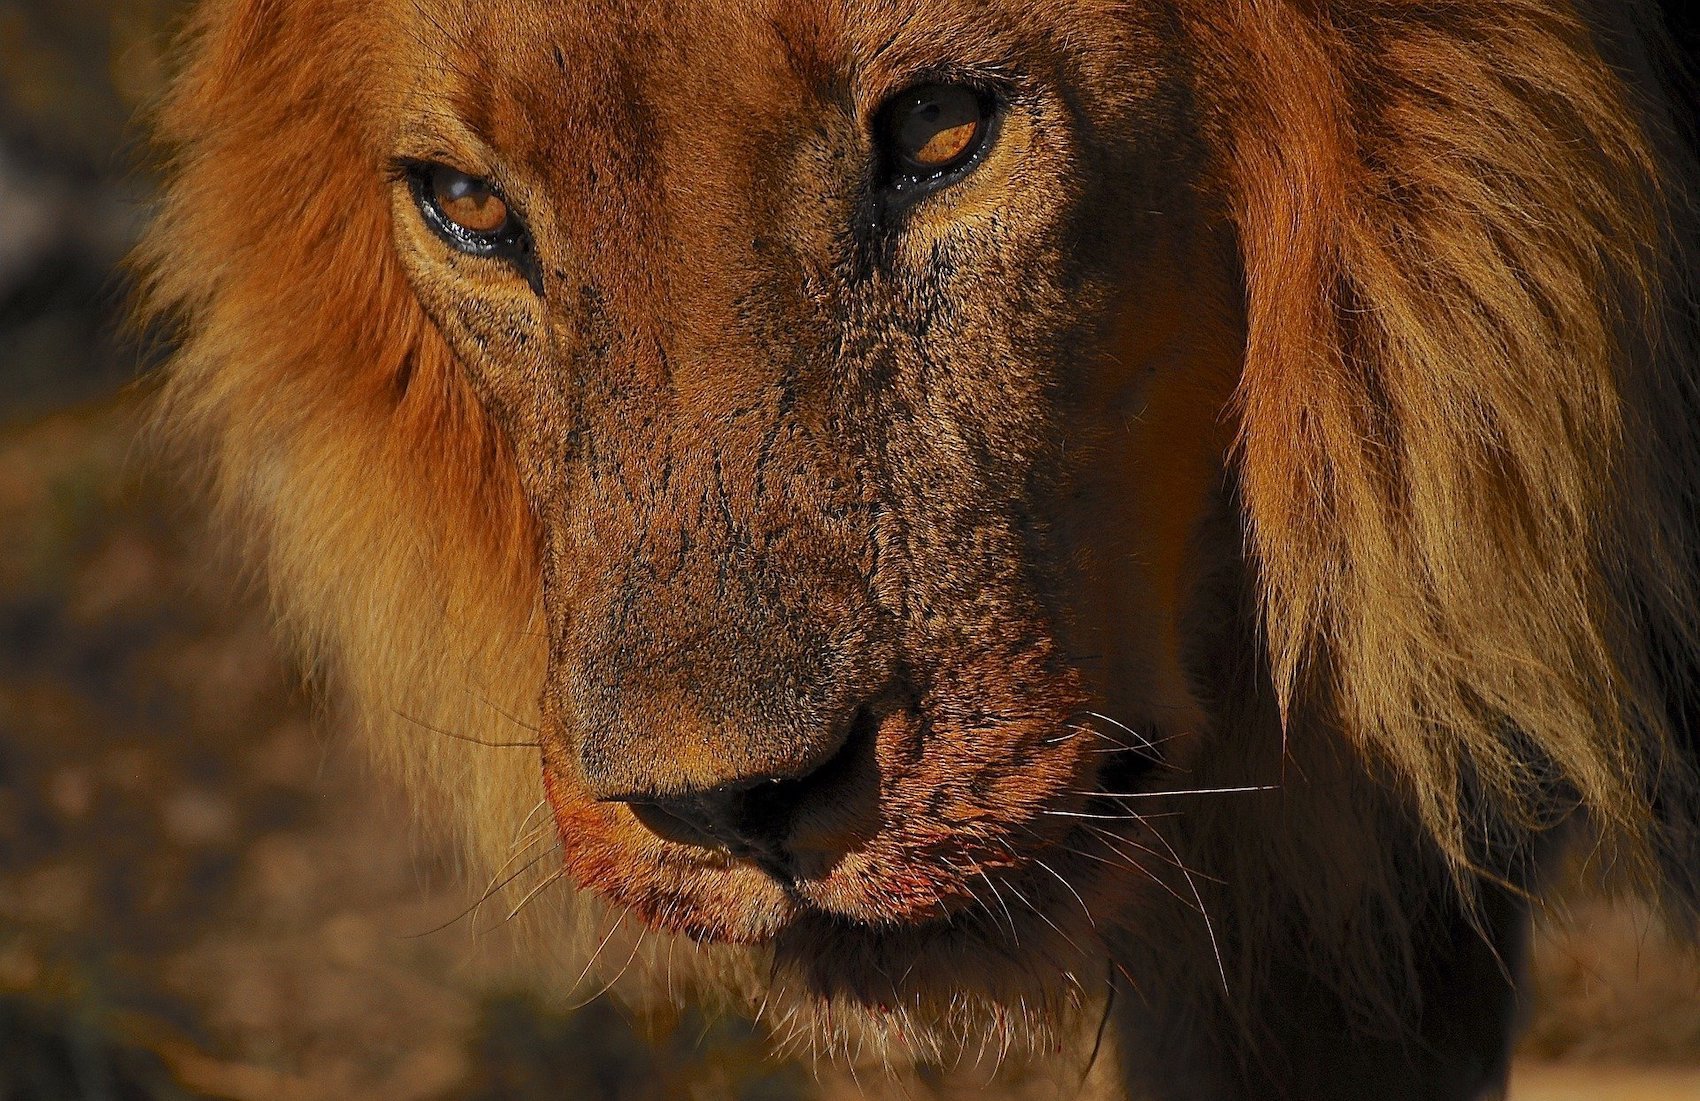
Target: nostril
{"type": "Point", "coordinates": [757, 820]}
{"type": "Point", "coordinates": [782, 800]}
{"type": "Point", "coordinates": [675, 820]}
{"type": "Point", "coordinates": [743, 821]}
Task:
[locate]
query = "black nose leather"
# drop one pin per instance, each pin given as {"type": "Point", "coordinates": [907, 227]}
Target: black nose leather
{"type": "Point", "coordinates": [756, 820]}
{"type": "Point", "coordinates": [751, 822]}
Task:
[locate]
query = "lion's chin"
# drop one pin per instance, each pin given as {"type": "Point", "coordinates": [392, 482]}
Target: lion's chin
{"type": "Point", "coordinates": [935, 981]}
{"type": "Point", "coordinates": [947, 991]}
{"type": "Point", "coordinates": [835, 956]}
{"type": "Point", "coordinates": [867, 964]}
{"type": "Point", "coordinates": [972, 914]}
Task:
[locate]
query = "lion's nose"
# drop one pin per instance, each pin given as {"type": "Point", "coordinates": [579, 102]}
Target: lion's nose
{"type": "Point", "coordinates": [753, 823]}
{"type": "Point", "coordinates": [760, 819]}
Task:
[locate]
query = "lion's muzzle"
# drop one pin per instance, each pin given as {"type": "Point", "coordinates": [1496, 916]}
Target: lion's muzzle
{"type": "Point", "coordinates": [721, 665]}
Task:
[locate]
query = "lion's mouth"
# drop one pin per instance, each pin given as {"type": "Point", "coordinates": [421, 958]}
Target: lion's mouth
{"type": "Point", "coordinates": [1024, 932]}
{"type": "Point", "coordinates": [921, 830]}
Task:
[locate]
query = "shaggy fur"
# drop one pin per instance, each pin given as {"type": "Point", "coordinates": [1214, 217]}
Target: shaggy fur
{"type": "Point", "coordinates": [1252, 514]}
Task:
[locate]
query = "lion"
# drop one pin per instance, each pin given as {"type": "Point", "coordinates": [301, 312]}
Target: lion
{"type": "Point", "coordinates": [1140, 527]}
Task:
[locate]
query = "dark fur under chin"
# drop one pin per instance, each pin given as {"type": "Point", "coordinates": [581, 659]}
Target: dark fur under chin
{"type": "Point", "coordinates": [958, 997]}
{"type": "Point", "coordinates": [1418, 1003]}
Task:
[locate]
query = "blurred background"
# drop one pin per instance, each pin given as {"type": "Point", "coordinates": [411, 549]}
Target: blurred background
{"type": "Point", "coordinates": [202, 894]}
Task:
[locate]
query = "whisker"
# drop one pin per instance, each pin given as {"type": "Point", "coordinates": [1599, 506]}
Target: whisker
{"type": "Point", "coordinates": [541, 803]}
{"type": "Point", "coordinates": [489, 893]}
{"type": "Point", "coordinates": [1069, 887]}
{"type": "Point", "coordinates": [594, 956]}
{"type": "Point", "coordinates": [643, 931]}
{"type": "Point", "coordinates": [975, 895]}
{"type": "Point", "coordinates": [1146, 746]}
{"type": "Point", "coordinates": [1209, 926]}
{"type": "Point", "coordinates": [553, 877]}
{"type": "Point", "coordinates": [1046, 918]}
{"type": "Point", "coordinates": [1171, 859]}
{"type": "Point", "coordinates": [1138, 865]}
{"type": "Point", "coordinates": [1145, 820]}
{"type": "Point", "coordinates": [1119, 725]}
{"type": "Point", "coordinates": [521, 846]}
{"type": "Point", "coordinates": [498, 709]}
{"type": "Point", "coordinates": [1123, 747]}
{"type": "Point", "coordinates": [1160, 792]}
{"type": "Point", "coordinates": [421, 723]}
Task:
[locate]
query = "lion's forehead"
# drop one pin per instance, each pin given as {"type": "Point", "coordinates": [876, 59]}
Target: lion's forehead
{"type": "Point", "coordinates": [614, 87]}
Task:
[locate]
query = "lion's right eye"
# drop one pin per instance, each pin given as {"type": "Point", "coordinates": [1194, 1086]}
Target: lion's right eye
{"type": "Point", "coordinates": [932, 134]}
{"type": "Point", "coordinates": [467, 212]}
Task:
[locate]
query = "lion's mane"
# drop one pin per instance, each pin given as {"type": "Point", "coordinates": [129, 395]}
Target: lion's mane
{"type": "Point", "coordinates": [1468, 455]}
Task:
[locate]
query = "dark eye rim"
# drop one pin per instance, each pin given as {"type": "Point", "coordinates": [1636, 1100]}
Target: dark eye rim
{"type": "Point", "coordinates": [904, 185]}
{"type": "Point", "coordinates": [511, 242]}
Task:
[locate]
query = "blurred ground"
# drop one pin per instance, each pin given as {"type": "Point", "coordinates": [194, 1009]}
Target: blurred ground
{"type": "Point", "coordinates": [202, 895]}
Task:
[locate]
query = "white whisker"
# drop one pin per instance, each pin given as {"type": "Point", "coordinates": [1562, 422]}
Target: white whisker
{"type": "Point", "coordinates": [1209, 926]}
{"type": "Point", "coordinates": [1159, 792]}
{"type": "Point", "coordinates": [1143, 740]}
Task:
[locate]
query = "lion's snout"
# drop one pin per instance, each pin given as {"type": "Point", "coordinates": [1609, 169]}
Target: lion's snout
{"type": "Point", "coordinates": [790, 825]}
{"type": "Point", "coordinates": [729, 708]}
{"type": "Point", "coordinates": [679, 743]}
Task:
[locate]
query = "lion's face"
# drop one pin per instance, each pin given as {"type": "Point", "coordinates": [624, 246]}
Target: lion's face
{"type": "Point", "coordinates": [921, 467]}
{"type": "Point", "coordinates": [863, 481]}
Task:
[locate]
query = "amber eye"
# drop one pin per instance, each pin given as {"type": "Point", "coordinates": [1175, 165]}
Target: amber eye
{"type": "Point", "coordinates": [931, 130]}
{"type": "Point", "coordinates": [468, 201]}
{"type": "Point", "coordinates": [467, 212]}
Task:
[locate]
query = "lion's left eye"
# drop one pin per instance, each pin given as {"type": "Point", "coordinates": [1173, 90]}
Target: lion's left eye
{"type": "Point", "coordinates": [467, 212]}
{"type": "Point", "coordinates": [933, 133]}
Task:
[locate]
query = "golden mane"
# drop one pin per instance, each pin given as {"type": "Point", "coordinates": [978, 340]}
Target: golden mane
{"type": "Point", "coordinates": [343, 445]}
{"type": "Point", "coordinates": [1467, 450]}
{"type": "Point", "coordinates": [1467, 465]}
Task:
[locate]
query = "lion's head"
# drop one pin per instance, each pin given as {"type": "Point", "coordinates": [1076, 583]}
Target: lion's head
{"type": "Point", "coordinates": [959, 496]}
